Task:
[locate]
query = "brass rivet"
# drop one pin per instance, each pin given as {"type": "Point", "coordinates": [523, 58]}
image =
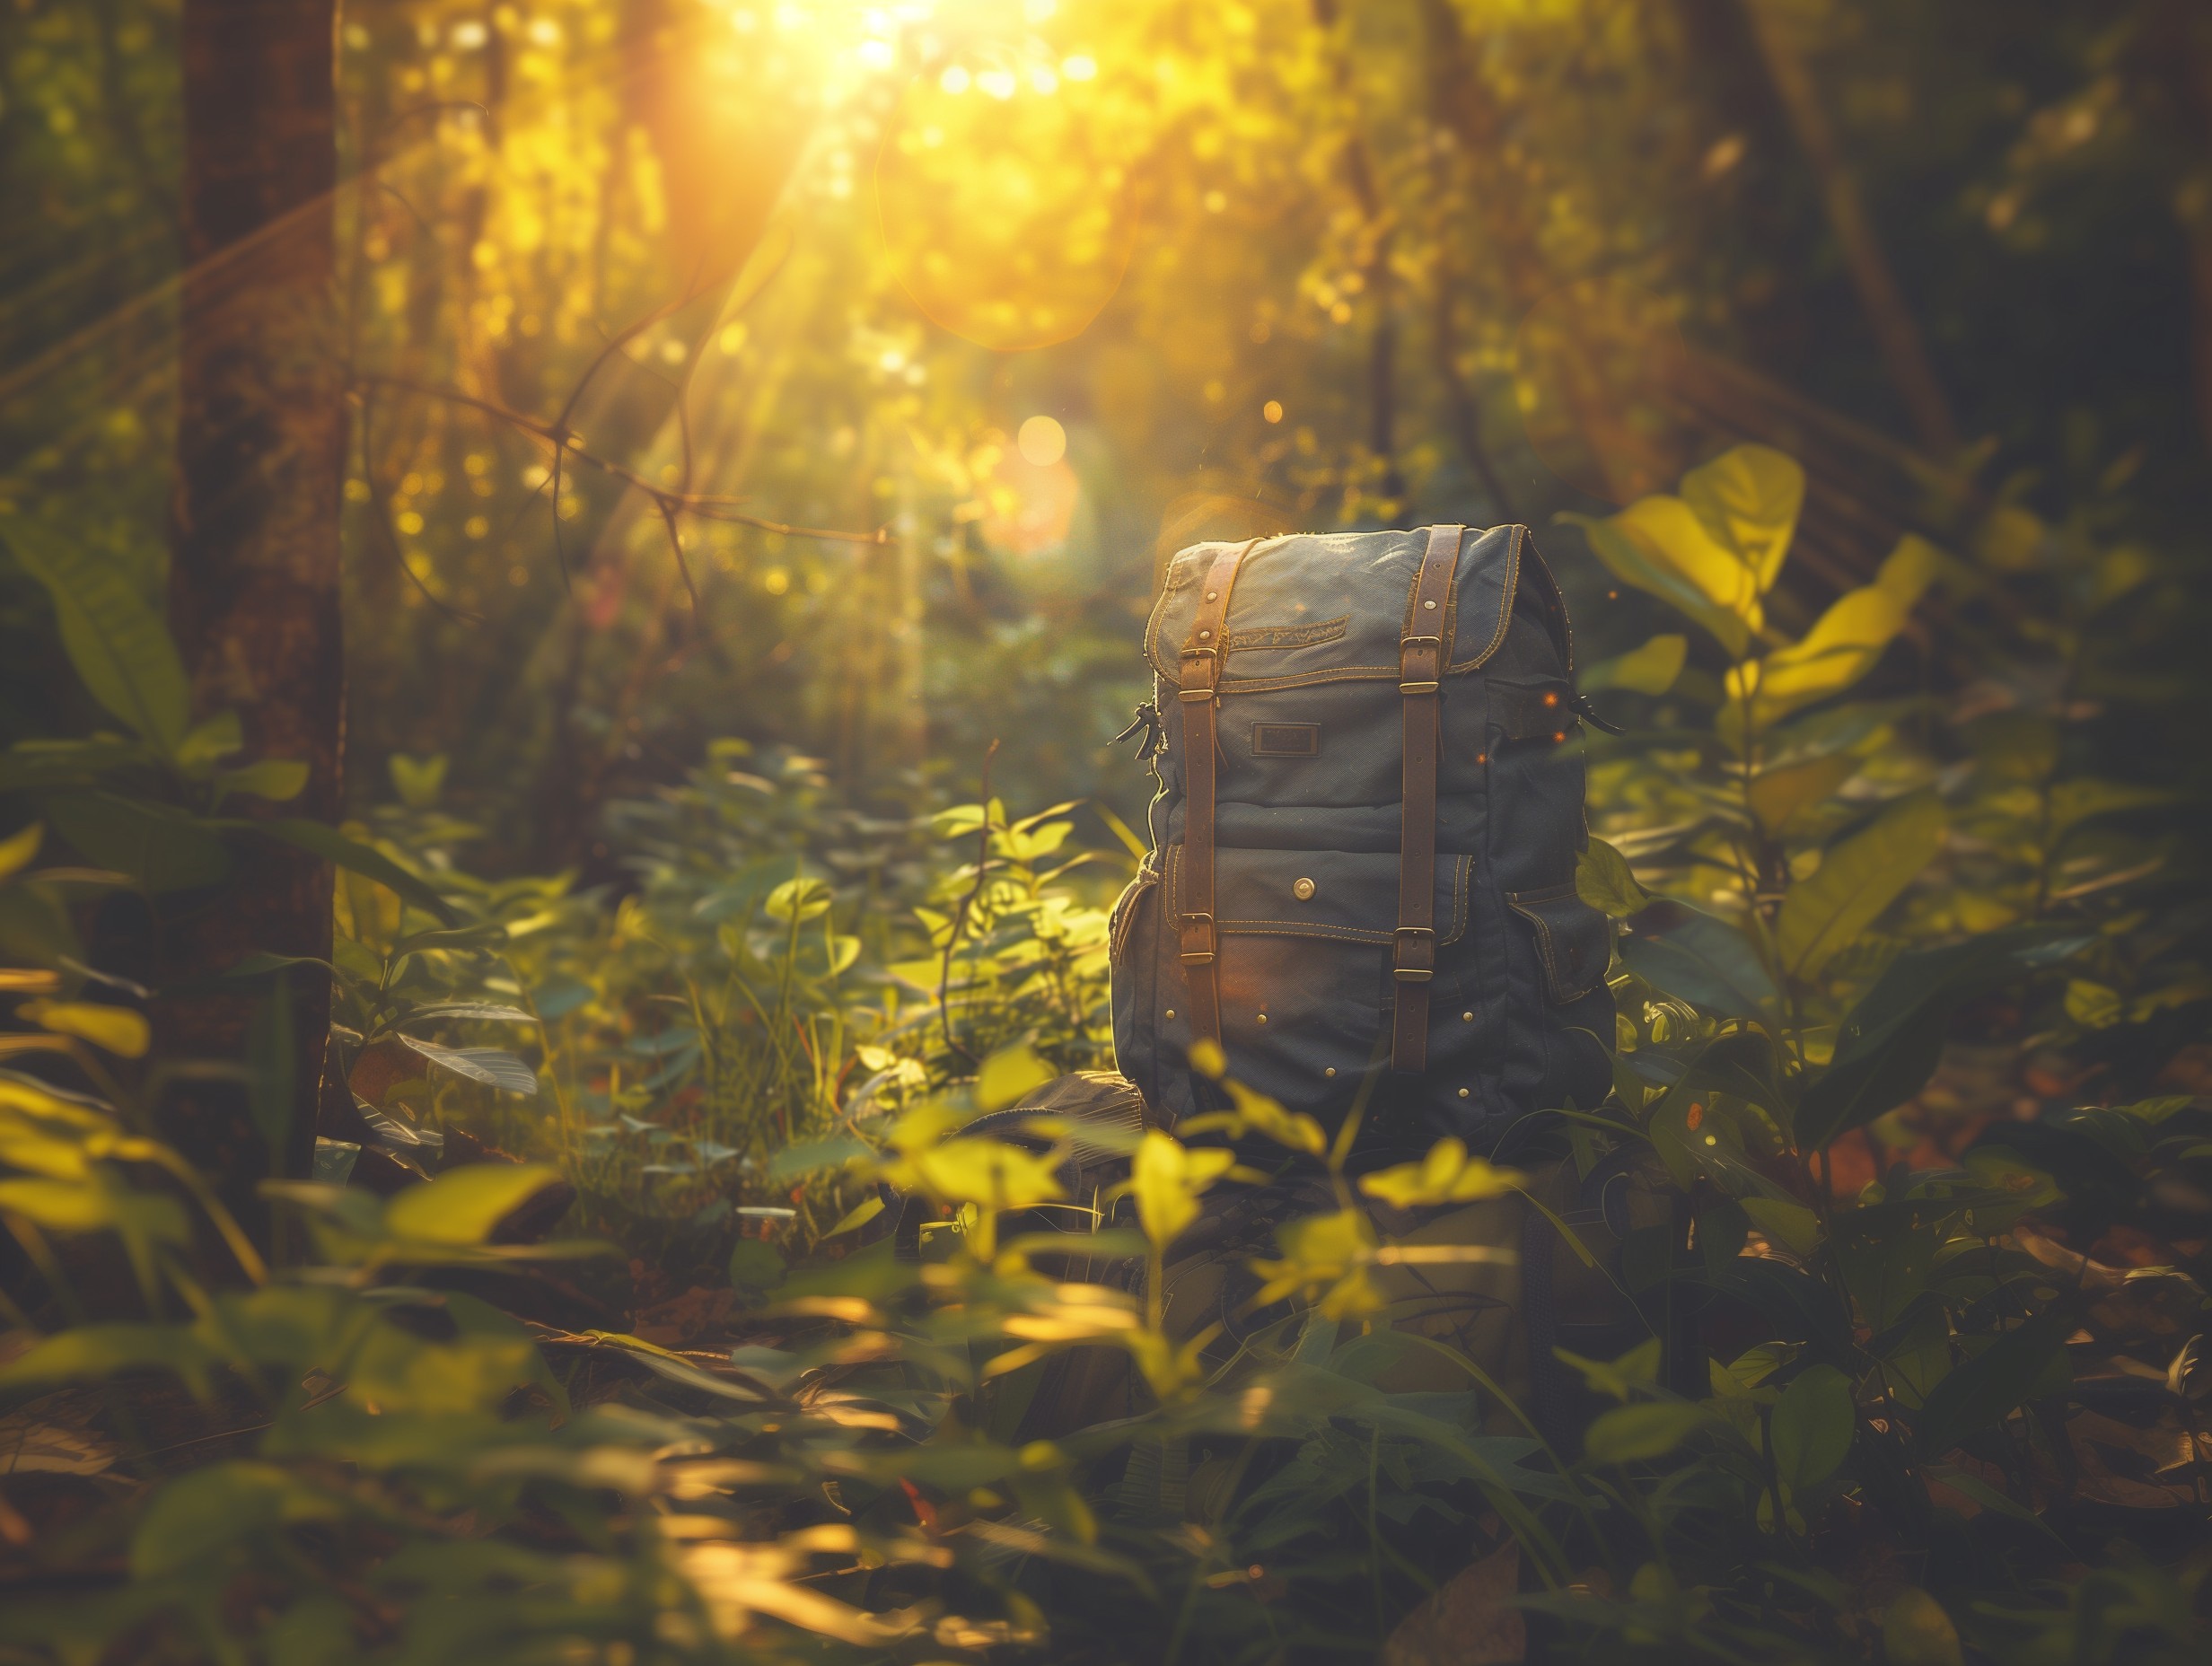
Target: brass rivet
{"type": "Point", "coordinates": [1303, 889]}
{"type": "Point", "coordinates": [1463, 1093]}
{"type": "Point", "coordinates": [1204, 634]}
{"type": "Point", "coordinates": [1467, 1018]}
{"type": "Point", "coordinates": [1431, 606]}
{"type": "Point", "coordinates": [1263, 1018]}
{"type": "Point", "coordinates": [1330, 1071]}
{"type": "Point", "coordinates": [1171, 1012]}
{"type": "Point", "coordinates": [1213, 595]}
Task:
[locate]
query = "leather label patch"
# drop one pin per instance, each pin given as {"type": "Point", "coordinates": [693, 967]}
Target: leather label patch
{"type": "Point", "coordinates": [1246, 637]}
{"type": "Point", "coordinates": [1287, 740]}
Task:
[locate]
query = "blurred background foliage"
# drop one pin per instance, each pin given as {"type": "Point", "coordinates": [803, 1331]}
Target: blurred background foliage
{"type": "Point", "coordinates": [1263, 265]}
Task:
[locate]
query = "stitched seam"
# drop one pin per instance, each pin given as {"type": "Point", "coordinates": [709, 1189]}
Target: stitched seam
{"type": "Point", "coordinates": [1504, 611]}
{"type": "Point", "coordinates": [1263, 638]}
{"type": "Point", "coordinates": [1125, 921]}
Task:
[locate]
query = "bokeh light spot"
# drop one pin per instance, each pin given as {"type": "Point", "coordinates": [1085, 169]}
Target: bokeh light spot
{"type": "Point", "coordinates": [1043, 441]}
{"type": "Point", "coordinates": [1272, 411]}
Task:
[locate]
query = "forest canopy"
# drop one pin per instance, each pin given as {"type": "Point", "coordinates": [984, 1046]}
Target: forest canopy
{"type": "Point", "coordinates": [572, 577]}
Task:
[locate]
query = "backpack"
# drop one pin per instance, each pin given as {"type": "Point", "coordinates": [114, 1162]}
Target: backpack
{"type": "Point", "coordinates": [1363, 844]}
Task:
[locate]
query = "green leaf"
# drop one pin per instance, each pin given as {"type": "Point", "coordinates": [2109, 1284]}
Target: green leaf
{"type": "Point", "coordinates": [1750, 498]}
{"type": "Point", "coordinates": [164, 849]}
{"type": "Point", "coordinates": [1812, 1426]}
{"type": "Point", "coordinates": [1979, 1394]}
{"type": "Point", "coordinates": [1780, 797]}
{"type": "Point", "coordinates": [1705, 961]}
{"type": "Point", "coordinates": [1917, 1632]}
{"type": "Point", "coordinates": [201, 1515]}
{"type": "Point", "coordinates": [1857, 879]}
{"type": "Point", "coordinates": [273, 778]}
{"type": "Point", "coordinates": [333, 846]}
{"type": "Point", "coordinates": [797, 901]}
{"type": "Point", "coordinates": [1888, 1044]}
{"type": "Point", "coordinates": [1637, 1433]}
{"type": "Point", "coordinates": [810, 1156]}
{"type": "Point", "coordinates": [465, 1205]}
{"type": "Point", "coordinates": [1651, 669]}
{"type": "Point", "coordinates": [117, 641]}
{"type": "Point", "coordinates": [419, 780]}
{"type": "Point", "coordinates": [493, 1066]}
{"type": "Point", "coordinates": [1790, 1224]}
{"type": "Point", "coordinates": [1603, 881]}
{"type": "Point", "coordinates": [755, 1265]}
{"type": "Point", "coordinates": [94, 1353]}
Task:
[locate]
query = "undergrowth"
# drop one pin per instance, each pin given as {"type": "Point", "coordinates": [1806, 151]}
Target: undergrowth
{"type": "Point", "coordinates": [1908, 982]}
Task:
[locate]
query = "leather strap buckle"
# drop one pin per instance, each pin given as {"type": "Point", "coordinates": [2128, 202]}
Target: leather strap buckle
{"type": "Point", "coordinates": [1418, 688]}
{"type": "Point", "coordinates": [1189, 922]}
{"type": "Point", "coordinates": [1190, 695]}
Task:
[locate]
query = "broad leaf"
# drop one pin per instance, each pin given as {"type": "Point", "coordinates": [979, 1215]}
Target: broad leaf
{"type": "Point", "coordinates": [114, 636]}
{"type": "Point", "coordinates": [493, 1066]}
{"type": "Point", "coordinates": [1888, 1045]}
{"type": "Point", "coordinates": [465, 1205]}
{"type": "Point", "coordinates": [1651, 669]}
{"type": "Point", "coordinates": [1857, 879]}
{"type": "Point", "coordinates": [1705, 961]}
{"type": "Point", "coordinates": [1007, 1075]}
{"type": "Point", "coordinates": [1603, 880]}
{"type": "Point", "coordinates": [1638, 1433]}
{"type": "Point", "coordinates": [1658, 545]}
{"type": "Point", "coordinates": [1779, 797]}
{"type": "Point", "coordinates": [1979, 1393]}
{"type": "Point", "coordinates": [1812, 1426]}
{"type": "Point", "coordinates": [1750, 498]}
{"type": "Point", "coordinates": [1842, 646]}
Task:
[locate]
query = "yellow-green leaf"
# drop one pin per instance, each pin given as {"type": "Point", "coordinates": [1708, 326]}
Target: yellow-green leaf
{"type": "Point", "coordinates": [1917, 1632]}
{"type": "Point", "coordinates": [1009, 1074]}
{"type": "Point", "coordinates": [18, 848]}
{"type": "Point", "coordinates": [1603, 881]}
{"type": "Point", "coordinates": [1750, 498]}
{"type": "Point", "coordinates": [1448, 1174]}
{"type": "Point", "coordinates": [116, 1030]}
{"type": "Point", "coordinates": [1167, 1177]}
{"type": "Point", "coordinates": [1843, 645]}
{"type": "Point", "coordinates": [1780, 797]}
{"type": "Point", "coordinates": [1651, 669]}
{"type": "Point", "coordinates": [988, 1173]}
{"type": "Point", "coordinates": [464, 1205]}
{"type": "Point", "coordinates": [1857, 881]}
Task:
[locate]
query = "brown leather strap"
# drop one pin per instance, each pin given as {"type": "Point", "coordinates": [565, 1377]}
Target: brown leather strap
{"type": "Point", "coordinates": [1421, 660]}
{"type": "Point", "coordinates": [1204, 653]}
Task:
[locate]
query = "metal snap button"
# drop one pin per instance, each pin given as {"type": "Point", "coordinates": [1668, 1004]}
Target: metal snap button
{"type": "Point", "coordinates": [1467, 1018]}
{"type": "Point", "coordinates": [1263, 1018]}
{"type": "Point", "coordinates": [1303, 889]}
{"type": "Point", "coordinates": [1463, 1093]}
{"type": "Point", "coordinates": [1430, 605]}
{"type": "Point", "coordinates": [1171, 1012]}
{"type": "Point", "coordinates": [1330, 1071]}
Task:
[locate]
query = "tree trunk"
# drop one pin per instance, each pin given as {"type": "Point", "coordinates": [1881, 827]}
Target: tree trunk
{"type": "Point", "coordinates": [254, 571]}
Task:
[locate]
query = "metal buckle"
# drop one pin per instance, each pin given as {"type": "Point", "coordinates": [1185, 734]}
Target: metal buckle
{"type": "Point", "coordinates": [1412, 973]}
{"type": "Point", "coordinates": [1418, 688]}
{"type": "Point", "coordinates": [1405, 641]}
{"type": "Point", "coordinates": [1199, 957]}
{"type": "Point", "coordinates": [1187, 696]}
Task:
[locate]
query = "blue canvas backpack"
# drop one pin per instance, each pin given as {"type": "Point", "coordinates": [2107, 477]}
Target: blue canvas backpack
{"type": "Point", "coordinates": [1363, 846]}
